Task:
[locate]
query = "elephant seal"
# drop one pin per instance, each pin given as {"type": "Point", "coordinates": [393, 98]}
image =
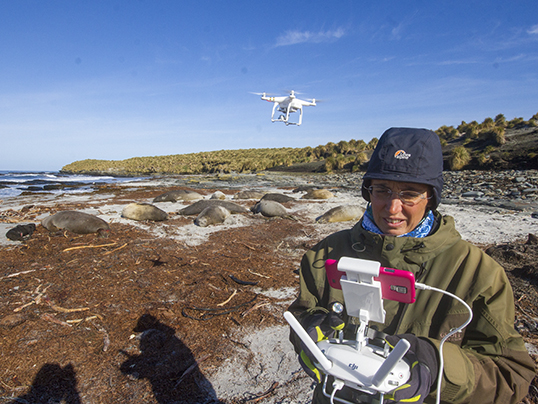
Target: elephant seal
{"type": "Point", "coordinates": [178, 195]}
{"type": "Point", "coordinates": [218, 195]}
{"type": "Point", "coordinates": [21, 232]}
{"type": "Point", "coordinates": [197, 207]}
{"type": "Point", "coordinates": [77, 222]}
{"type": "Point", "coordinates": [143, 211]}
{"type": "Point", "coordinates": [342, 213]}
{"type": "Point", "coordinates": [318, 194]}
{"type": "Point", "coordinates": [212, 215]}
{"type": "Point", "coordinates": [270, 208]}
{"type": "Point", "coordinates": [249, 195]}
{"type": "Point", "coordinates": [304, 188]}
{"type": "Point", "coordinates": [280, 198]}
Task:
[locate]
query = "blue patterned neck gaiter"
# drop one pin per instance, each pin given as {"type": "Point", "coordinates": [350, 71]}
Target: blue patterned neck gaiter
{"type": "Point", "coordinates": [422, 229]}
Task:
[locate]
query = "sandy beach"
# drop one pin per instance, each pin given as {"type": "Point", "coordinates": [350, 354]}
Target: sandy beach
{"type": "Point", "coordinates": [252, 359]}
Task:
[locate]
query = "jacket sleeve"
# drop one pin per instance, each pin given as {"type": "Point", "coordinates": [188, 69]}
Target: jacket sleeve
{"type": "Point", "coordinates": [311, 291]}
{"type": "Point", "coordinates": [491, 363]}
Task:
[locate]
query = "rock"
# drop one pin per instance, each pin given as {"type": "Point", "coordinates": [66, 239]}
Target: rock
{"type": "Point", "coordinates": [21, 232]}
{"type": "Point", "coordinates": [532, 239]}
{"type": "Point", "coordinates": [472, 194]}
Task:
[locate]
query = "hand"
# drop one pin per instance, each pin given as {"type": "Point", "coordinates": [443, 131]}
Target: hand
{"type": "Point", "coordinates": [319, 326]}
{"type": "Point", "coordinates": [422, 356]}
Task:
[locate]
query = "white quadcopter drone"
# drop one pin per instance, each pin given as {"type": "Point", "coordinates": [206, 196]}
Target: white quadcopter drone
{"type": "Point", "coordinates": [286, 105]}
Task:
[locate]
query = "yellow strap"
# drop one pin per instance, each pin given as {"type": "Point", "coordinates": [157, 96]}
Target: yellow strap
{"type": "Point", "coordinates": [339, 327]}
{"type": "Point", "coordinates": [311, 366]}
{"type": "Point", "coordinates": [320, 335]}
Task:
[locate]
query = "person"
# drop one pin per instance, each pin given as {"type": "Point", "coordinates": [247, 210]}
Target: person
{"type": "Point", "coordinates": [401, 228]}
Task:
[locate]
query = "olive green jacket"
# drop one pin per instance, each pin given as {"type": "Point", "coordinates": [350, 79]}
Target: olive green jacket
{"type": "Point", "coordinates": [487, 362]}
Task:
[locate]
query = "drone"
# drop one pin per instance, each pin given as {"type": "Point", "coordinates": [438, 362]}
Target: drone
{"type": "Point", "coordinates": [286, 105]}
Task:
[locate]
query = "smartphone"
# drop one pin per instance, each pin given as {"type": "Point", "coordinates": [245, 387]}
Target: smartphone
{"type": "Point", "coordinates": [396, 284]}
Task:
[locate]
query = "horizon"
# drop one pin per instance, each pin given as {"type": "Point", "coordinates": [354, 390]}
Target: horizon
{"type": "Point", "coordinates": [112, 81]}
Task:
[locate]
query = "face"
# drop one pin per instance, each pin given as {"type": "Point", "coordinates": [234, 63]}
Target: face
{"type": "Point", "coordinates": [392, 216]}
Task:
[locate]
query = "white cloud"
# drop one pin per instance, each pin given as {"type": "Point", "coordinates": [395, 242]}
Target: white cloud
{"type": "Point", "coordinates": [295, 37]}
{"type": "Point", "coordinates": [533, 30]}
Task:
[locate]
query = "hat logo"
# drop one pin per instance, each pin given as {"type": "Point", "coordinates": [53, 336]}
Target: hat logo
{"type": "Point", "coordinates": [402, 155]}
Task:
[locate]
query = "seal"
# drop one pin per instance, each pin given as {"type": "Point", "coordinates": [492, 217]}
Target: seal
{"type": "Point", "coordinates": [21, 232]}
{"type": "Point", "coordinates": [212, 215]}
{"type": "Point", "coordinates": [76, 222]}
{"type": "Point", "coordinates": [270, 208]}
{"type": "Point", "coordinates": [249, 195]}
{"type": "Point", "coordinates": [218, 195]}
{"type": "Point", "coordinates": [197, 207]}
{"type": "Point", "coordinates": [318, 194]}
{"type": "Point", "coordinates": [342, 213]}
{"type": "Point", "coordinates": [178, 195]}
{"type": "Point", "coordinates": [143, 211]}
{"type": "Point", "coordinates": [280, 198]}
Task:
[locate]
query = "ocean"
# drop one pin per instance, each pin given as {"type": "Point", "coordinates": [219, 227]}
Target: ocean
{"type": "Point", "coordinates": [14, 183]}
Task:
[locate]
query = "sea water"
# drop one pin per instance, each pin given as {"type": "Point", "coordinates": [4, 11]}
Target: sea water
{"type": "Point", "coordinates": [13, 183]}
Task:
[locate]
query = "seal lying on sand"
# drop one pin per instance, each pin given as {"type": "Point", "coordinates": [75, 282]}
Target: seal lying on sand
{"type": "Point", "coordinates": [218, 195]}
{"type": "Point", "coordinates": [143, 211]}
{"type": "Point", "coordinates": [318, 194]}
{"type": "Point", "coordinates": [281, 198]}
{"type": "Point", "coordinates": [212, 215]}
{"type": "Point", "coordinates": [249, 195]}
{"type": "Point", "coordinates": [77, 222]}
{"type": "Point", "coordinates": [270, 208]}
{"type": "Point", "coordinates": [21, 232]}
{"type": "Point", "coordinates": [341, 213]}
{"type": "Point", "coordinates": [197, 207]}
{"type": "Point", "coordinates": [178, 195]}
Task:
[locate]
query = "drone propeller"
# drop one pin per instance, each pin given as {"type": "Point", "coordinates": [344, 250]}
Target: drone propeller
{"type": "Point", "coordinates": [293, 91]}
{"type": "Point", "coordinates": [262, 94]}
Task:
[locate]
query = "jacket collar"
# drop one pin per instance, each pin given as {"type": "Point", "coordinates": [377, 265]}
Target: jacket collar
{"type": "Point", "coordinates": [412, 250]}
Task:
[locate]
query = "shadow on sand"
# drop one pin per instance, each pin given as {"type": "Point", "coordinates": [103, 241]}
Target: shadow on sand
{"type": "Point", "coordinates": [168, 364]}
{"type": "Point", "coordinates": [52, 384]}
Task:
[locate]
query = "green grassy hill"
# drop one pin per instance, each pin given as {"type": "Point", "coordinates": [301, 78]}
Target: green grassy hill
{"type": "Point", "coordinates": [493, 144]}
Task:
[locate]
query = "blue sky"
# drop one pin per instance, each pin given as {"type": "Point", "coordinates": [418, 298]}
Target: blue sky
{"type": "Point", "coordinates": [119, 79]}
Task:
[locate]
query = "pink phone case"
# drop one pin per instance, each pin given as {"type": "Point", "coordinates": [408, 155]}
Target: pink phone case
{"type": "Point", "coordinates": [333, 274]}
{"type": "Point", "coordinates": [396, 284]}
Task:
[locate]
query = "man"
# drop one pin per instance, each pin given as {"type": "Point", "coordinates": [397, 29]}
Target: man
{"type": "Point", "coordinates": [487, 362]}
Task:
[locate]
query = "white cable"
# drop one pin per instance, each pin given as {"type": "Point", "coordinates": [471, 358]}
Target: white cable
{"type": "Point", "coordinates": [337, 385]}
{"type": "Point", "coordinates": [453, 331]}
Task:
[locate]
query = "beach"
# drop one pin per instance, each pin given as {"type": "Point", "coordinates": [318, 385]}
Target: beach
{"type": "Point", "coordinates": [125, 318]}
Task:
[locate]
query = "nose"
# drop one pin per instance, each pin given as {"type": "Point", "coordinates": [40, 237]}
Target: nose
{"type": "Point", "coordinates": [394, 205]}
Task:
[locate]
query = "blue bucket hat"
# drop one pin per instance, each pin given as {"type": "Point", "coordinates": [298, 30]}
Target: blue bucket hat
{"type": "Point", "coordinates": [407, 155]}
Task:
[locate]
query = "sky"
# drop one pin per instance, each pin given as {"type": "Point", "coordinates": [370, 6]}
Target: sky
{"type": "Point", "coordinates": [112, 80]}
